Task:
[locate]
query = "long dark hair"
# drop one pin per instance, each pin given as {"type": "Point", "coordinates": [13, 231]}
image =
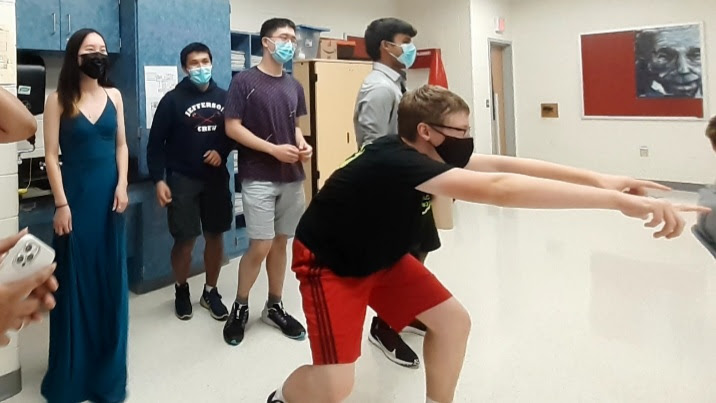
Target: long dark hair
{"type": "Point", "coordinates": [68, 86]}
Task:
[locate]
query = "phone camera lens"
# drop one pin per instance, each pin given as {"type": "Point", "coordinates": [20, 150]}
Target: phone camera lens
{"type": "Point", "coordinates": [28, 248]}
{"type": "Point", "coordinates": [20, 259]}
{"type": "Point", "coordinates": [30, 257]}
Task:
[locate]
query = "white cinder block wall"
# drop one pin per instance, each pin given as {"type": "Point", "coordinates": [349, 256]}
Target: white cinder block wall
{"type": "Point", "coordinates": [547, 59]}
{"type": "Point", "coordinates": [342, 17]}
{"type": "Point", "coordinates": [482, 25]}
{"type": "Point", "coordinates": [9, 356]}
{"type": "Point", "coordinates": [444, 25]}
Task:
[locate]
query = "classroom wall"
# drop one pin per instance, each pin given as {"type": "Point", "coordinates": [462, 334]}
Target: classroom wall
{"type": "Point", "coordinates": [9, 356]}
{"type": "Point", "coordinates": [482, 16]}
{"type": "Point", "coordinates": [545, 35]}
{"type": "Point", "coordinates": [342, 17]}
{"type": "Point", "coordinates": [444, 25]}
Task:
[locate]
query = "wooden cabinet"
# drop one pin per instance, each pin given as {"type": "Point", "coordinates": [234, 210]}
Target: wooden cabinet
{"type": "Point", "coordinates": [331, 88]}
{"type": "Point", "coordinates": [48, 24]}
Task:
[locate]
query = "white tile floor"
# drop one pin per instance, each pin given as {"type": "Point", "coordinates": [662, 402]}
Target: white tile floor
{"type": "Point", "coordinates": [566, 306]}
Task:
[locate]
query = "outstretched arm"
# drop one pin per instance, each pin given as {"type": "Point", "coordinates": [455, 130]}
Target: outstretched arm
{"type": "Point", "coordinates": [521, 191]}
{"type": "Point", "coordinates": [548, 170]}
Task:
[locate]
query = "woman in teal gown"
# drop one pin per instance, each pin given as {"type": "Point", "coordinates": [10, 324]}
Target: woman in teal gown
{"type": "Point", "coordinates": [88, 328]}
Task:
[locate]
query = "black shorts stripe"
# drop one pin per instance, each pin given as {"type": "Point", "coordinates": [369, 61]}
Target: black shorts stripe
{"type": "Point", "coordinates": [333, 353]}
{"type": "Point", "coordinates": [328, 346]}
{"type": "Point", "coordinates": [317, 308]}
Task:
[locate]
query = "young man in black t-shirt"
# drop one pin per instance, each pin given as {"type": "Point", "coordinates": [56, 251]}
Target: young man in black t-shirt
{"type": "Point", "coordinates": [351, 253]}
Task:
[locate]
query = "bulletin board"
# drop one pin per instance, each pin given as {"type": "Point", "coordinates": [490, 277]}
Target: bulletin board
{"type": "Point", "coordinates": [644, 73]}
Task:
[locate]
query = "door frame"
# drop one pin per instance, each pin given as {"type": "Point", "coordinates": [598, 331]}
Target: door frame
{"type": "Point", "coordinates": [509, 84]}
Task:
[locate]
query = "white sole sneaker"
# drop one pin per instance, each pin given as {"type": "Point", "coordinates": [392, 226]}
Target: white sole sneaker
{"type": "Point", "coordinates": [206, 306]}
{"type": "Point", "coordinates": [391, 354]}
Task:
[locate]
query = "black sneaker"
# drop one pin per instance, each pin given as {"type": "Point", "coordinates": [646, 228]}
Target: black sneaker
{"type": "Point", "coordinates": [390, 343]}
{"type": "Point", "coordinates": [236, 325]}
{"type": "Point", "coordinates": [182, 302]}
{"type": "Point", "coordinates": [277, 317]}
{"type": "Point", "coordinates": [212, 302]}
{"type": "Point", "coordinates": [272, 399]}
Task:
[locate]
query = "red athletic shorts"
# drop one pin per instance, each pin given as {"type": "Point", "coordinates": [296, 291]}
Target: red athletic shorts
{"type": "Point", "coordinates": [335, 307]}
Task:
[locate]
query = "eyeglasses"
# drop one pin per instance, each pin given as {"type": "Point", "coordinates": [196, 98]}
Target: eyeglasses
{"type": "Point", "coordinates": [464, 132]}
{"type": "Point", "coordinates": [286, 38]}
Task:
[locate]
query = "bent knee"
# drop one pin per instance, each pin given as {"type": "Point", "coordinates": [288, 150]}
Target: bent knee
{"type": "Point", "coordinates": [337, 385]}
{"type": "Point", "coordinates": [450, 317]}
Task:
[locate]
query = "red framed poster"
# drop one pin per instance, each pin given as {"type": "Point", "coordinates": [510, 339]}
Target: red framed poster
{"type": "Point", "coordinates": [644, 73]}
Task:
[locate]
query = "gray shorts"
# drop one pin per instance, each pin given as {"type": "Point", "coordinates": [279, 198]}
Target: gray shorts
{"type": "Point", "coordinates": [272, 208]}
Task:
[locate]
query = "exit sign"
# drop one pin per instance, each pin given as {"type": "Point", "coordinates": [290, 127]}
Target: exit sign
{"type": "Point", "coordinates": [499, 25]}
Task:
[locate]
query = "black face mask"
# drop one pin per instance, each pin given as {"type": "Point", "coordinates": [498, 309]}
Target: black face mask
{"type": "Point", "coordinates": [94, 64]}
{"type": "Point", "coordinates": [456, 152]}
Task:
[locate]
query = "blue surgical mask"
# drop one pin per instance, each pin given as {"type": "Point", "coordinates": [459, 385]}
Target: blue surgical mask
{"type": "Point", "coordinates": [200, 75]}
{"type": "Point", "coordinates": [284, 51]}
{"type": "Point", "coordinates": [410, 53]}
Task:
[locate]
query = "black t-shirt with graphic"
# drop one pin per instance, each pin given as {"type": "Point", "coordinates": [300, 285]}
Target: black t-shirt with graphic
{"type": "Point", "coordinates": [365, 217]}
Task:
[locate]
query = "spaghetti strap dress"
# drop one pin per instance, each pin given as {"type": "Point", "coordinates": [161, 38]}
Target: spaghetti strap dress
{"type": "Point", "coordinates": [89, 326]}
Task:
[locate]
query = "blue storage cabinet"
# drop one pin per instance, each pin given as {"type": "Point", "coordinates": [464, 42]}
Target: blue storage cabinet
{"type": "Point", "coordinates": [154, 35]}
{"type": "Point", "coordinates": [48, 24]}
{"type": "Point", "coordinates": [38, 24]}
{"type": "Point", "coordinates": [151, 33]}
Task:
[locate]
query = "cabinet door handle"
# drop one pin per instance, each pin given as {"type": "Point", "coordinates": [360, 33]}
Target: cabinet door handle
{"type": "Point", "coordinates": [54, 23]}
{"type": "Point", "coordinates": [348, 137]}
{"type": "Point", "coordinates": [69, 25]}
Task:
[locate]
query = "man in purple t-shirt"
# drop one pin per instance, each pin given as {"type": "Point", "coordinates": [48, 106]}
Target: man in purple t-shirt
{"type": "Point", "coordinates": [262, 111]}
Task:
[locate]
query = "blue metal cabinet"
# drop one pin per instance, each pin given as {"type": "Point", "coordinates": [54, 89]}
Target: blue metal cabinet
{"type": "Point", "coordinates": [38, 24]}
{"type": "Point", "coordinates": [154, 35]}
{"type": "Point", "coordinates": [101, 15]}
{"type": "Point", "coordinates": [48, 24]}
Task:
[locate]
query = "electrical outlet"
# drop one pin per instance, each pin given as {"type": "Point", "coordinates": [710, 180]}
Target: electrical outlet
{"type": "Point", "coordinates": [644, 152]}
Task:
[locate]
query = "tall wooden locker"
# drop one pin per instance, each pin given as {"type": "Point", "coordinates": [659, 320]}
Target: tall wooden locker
{"type": "Point", "coordinates": [331, 88]}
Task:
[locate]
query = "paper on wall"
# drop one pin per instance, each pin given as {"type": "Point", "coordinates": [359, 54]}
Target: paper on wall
{"type": "Point", "coordinates": [158, 80]}
{"type": "Point", "coordinates": [8, 53]}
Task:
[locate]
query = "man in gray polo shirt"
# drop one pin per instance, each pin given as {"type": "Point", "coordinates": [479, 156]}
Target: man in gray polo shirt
{"type": "Point", "coordinates": [389, 42]}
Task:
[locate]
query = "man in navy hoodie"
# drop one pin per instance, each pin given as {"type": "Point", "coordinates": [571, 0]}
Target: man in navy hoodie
{"type": "Point", "coordinates": [186, 155]}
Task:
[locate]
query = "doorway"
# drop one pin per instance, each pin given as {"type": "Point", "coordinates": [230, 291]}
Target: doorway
{"type": "Point", "coordinates": [502, 99]}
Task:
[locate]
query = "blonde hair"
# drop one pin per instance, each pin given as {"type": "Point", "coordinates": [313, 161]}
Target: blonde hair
{"type": "Point", "coordinates": [427, 104]}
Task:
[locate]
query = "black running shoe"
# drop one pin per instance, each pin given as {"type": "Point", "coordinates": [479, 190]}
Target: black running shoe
{"type": "Point", "coordinates": [236, 325]}
{"type": "Point", "coordinates": [212, 302]}
{"type": "Point", "coordinates": [182, 302]}
{"type": "Point", "coordinates": [272, 399]}
{"type": "Point", "coordinates": [277, 317]}
{"type": "Point", "coordinates": [390, 343]}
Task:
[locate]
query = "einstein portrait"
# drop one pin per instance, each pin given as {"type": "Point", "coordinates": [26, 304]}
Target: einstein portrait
{"type": "Point", "coordinates": [668, 62]}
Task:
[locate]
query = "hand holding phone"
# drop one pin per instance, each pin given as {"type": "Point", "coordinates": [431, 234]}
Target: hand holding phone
{"type": "Point", "coordinates": [27, 257]}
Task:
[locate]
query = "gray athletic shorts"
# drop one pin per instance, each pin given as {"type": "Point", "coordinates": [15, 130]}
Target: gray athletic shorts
{"type": "Point", "coordinates": [272, 208]}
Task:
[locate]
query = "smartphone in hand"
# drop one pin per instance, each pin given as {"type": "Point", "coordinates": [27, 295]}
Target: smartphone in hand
{"type": "Point", "coordinates": [27, 257]}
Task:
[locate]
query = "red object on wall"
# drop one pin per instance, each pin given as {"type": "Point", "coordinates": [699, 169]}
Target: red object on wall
{"type": "Point", "coordinates": [609, 81]}
{"type": "Point", "coordinates": [427, 59]}
{"type": "Point", "coordinates": [432, 59]}
{"type": "Point", "coordinates": [360, 52]}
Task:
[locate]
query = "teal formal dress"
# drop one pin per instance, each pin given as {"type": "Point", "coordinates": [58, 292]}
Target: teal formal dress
{"type": "Point", "coordinates": [88, 328]}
